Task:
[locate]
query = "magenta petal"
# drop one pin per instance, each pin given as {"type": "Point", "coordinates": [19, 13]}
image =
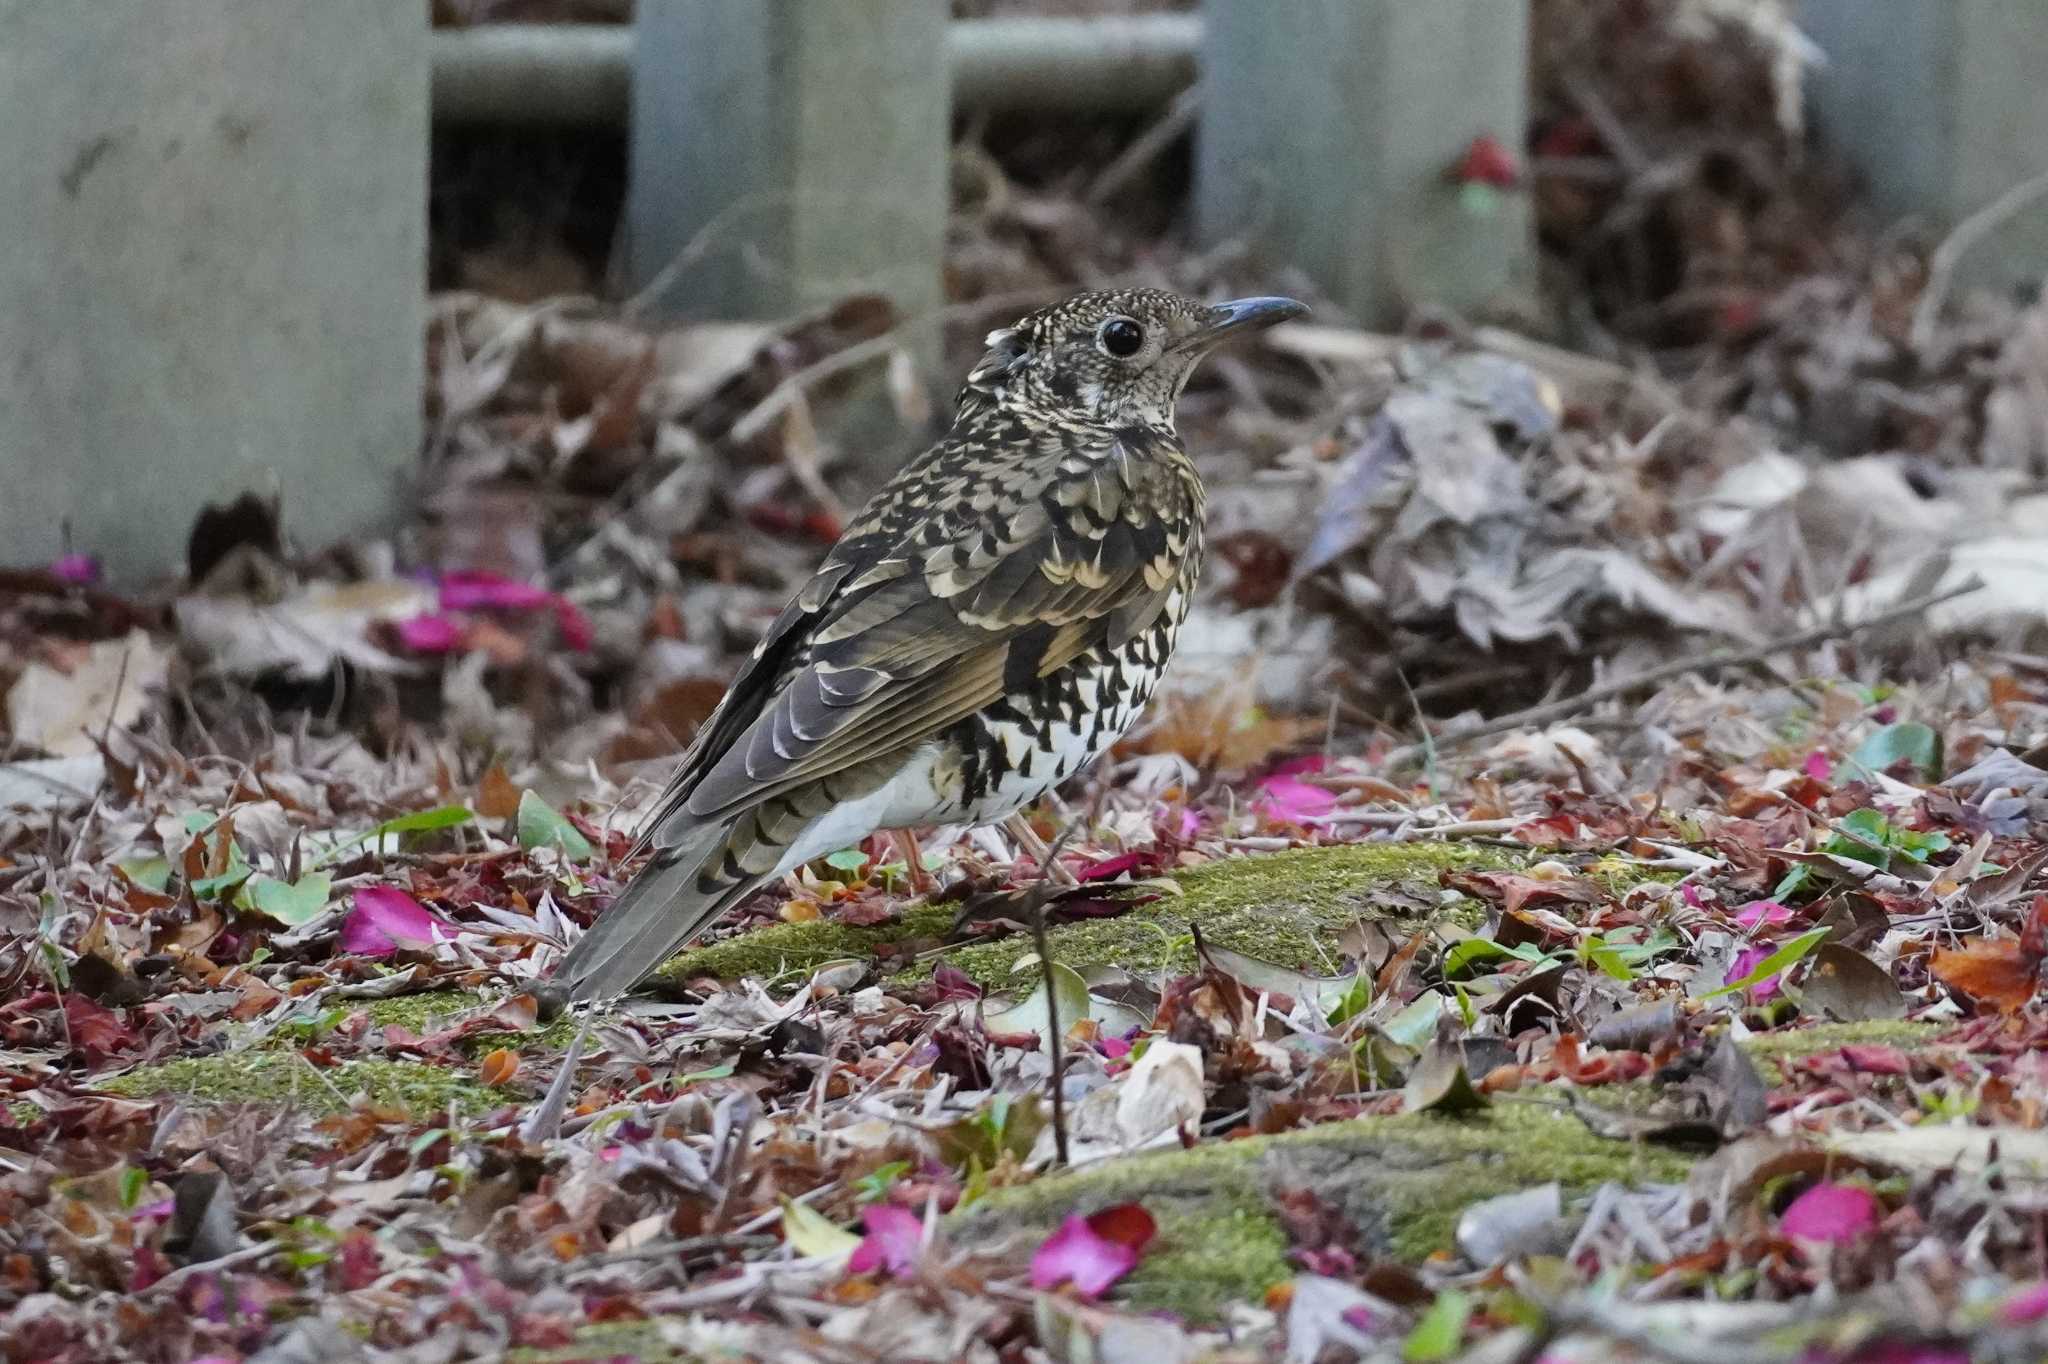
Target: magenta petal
{"type": "Point", "coordinates": [1747, 960]}
{"type": "Point", "coordinates": [431, 634]}
{"type": "Point", "coordinates": [468, 591]}
{"type": "Point", "coordinates": [384, 918]}
{"type": "Point", "coordinates": [1293, 800]}
{"type": "Point", "coordinates": [1832, 1213]}
{"type": "Point", "coordinates": [2025, 1307]}
{"type": "Point", "coordinates": [1075, 1254]}
{"type": "Point", "coordinates": [1761, 912]}
{"type": "Point", "coordinates": [895, 1239]}
{"type": "Point", "coordinates": [1818, 766]}
{"type": "Point", "coordinates": [80, 570]}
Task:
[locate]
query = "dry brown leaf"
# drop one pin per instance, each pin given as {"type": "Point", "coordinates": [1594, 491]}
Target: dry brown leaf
{"type": "Point", "coordinates": [497, 795]}
{"type": "Point", "coordinates": [1992, 972]}
{"type": "Point", "coordinates": [499, 1066]}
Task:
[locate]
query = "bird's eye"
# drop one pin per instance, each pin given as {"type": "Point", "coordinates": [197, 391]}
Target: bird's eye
{"type": "Point", "coordinates": [1121, 337]}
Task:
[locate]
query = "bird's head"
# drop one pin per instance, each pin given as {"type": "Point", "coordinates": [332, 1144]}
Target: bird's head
{"type": "Point", "coordinates": [1114, 357]}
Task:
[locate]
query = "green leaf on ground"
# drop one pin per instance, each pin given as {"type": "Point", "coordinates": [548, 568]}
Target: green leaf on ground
{"type": "Point", "coordinates": [543, 826]}
{"type": "Point", "coordinates": [291, 902]}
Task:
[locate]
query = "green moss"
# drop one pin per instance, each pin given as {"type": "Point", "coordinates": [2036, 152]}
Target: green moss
{"type": "Point", "coordinates": [778, 949]}
{"type": "Point", "coordinates": [284, 1078]}
{"type": "Point", "coordinates": [430, 1011]}
{"type": "Point", "coordinates": [1401, 1181]}
{"type": "Point", "coordinates": [1290, 908]}
{"type": "Point", "coordinates": [1202, 1262]}
{"type": "Point", "coordinates": [637, 1340]}
{"type": "Point", "coordinates": [1791, 1044]}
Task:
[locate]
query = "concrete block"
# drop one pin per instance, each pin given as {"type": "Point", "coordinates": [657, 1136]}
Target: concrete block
{"type": "Point", "coordinates": [787, 153]}
{"type": "Point", "coordinates": [1942, 105]}
{"type": "Point", "coordinates": [212, 266]}
{"type": "Point", "coordinates": [1326, 133]}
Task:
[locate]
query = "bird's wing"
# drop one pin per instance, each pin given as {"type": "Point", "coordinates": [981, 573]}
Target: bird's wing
{"type": "Point", "coordinates": [949, 592]}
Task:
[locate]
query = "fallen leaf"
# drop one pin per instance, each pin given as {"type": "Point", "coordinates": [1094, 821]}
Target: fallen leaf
{"type": "Point", "coordinates": [542, 826]}
{"type": "Point", "coordinates": [1526, 1222]}
{"type": "Point", "coordinates": [64, 711]}
{"type": "Point", "coordinates": [291, 903]}
{"type": "Point", "coordinates": [498, 1066]}
{"type": "Point", "coordinates": [1850, 987]}
{"type": "Point", "coordinates": [1439, 1082]}
{"type": "Point", "coordinates": [497, 795]}
{"type": "Point", "coordinates": [1990, 972]}
{"type": "Point", "coordinates": [812, 1234]}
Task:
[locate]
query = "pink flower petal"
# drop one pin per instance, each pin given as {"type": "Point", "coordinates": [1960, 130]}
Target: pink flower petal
{"type": "Point", "coordinates": [1190, 823]}
{"type": "Point", "coordinates": [1818, 765]}
{"type": "Point", "coordinates": [1762, 912]}
{"type": "Point", "coordinates": [431, 634]}
{"type": "Point", "coordinates": [1093, 1252]}
{"type": "Point", "coordinates": [1832, 1213]}
{"type": "Point", "coordinates": [1291, 800]}
{"type": "Point", "coordinates": [468, 591]}
{"type": "Point", "coordinates": [2025, 1307]}
{"type": "Point", "coordinates": [1690, 893]}
{"type": "Point", "coordinates": [1110, 867]}
{"type": "Point", "coordinates": [1747, 960]}
{"type": "Point", "coordinates": [385, 918]}
{"type": "Point", "coordinates": [80, 570]}
{"type": "Point", "coordinates": [894, 1241]}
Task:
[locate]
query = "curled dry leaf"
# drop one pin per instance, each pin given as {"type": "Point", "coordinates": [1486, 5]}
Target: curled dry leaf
{"type": "Point", "coordinates": [498, 1066]}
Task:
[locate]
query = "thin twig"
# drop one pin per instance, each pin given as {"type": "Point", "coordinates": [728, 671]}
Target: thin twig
{"type": "Point", "coordinates": [1146, 147]}
{"type": "Point", "coordinates": [1941, 266]}
{"type": "Point", "coordinates": [1606, 691]}
{"type": "Point", "coordinates": [756, 419]}
{"type": "Point", "coordinates": [1040, 894]}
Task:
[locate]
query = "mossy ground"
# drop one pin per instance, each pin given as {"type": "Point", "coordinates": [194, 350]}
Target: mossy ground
{"type": "Point", "coordinates": [1400, 1181]}
{"type": "Point", "coordinates": [1770, 1049]}
{"type": "Point", "coordinates": [283, 1078]}
{"type": "Point", "coordinates": [640, 1341]}
{"type": "Point", "coordinates": [1289, 907]}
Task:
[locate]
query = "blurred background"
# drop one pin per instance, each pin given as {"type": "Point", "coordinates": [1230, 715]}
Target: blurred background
{"type": "Point", "coordinates": [484, 374]}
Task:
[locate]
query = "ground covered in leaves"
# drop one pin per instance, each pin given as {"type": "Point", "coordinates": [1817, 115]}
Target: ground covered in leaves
{"type": "Point", "coordinates": [1718, 1029]}
{"type": "Point", "coordinates": [1579, 895]}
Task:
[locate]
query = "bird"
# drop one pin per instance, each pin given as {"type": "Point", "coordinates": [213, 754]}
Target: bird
{"type": "Point", "coordinates": [992, 620]}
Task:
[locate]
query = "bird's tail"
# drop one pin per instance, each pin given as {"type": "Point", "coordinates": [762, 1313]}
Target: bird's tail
{"type": "Point", "coordinates": [673, 898]}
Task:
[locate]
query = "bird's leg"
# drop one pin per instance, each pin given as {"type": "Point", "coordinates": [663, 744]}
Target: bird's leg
{"type": "Point", "coordinates": [906, 844]}
{"type": "Point", "coordinates": [1017, 826]}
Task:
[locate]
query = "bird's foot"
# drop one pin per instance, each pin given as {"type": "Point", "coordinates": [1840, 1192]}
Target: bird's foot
{"type": "Point", "coordinates": [1018, 827]}
{"type": "Point", "coordinates": [920, 879]}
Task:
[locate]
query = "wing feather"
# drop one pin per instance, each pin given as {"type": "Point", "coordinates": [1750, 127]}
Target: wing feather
{"type": "Point", "coordinates": [909, 626]}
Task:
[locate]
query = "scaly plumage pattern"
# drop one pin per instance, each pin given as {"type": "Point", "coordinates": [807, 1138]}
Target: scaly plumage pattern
{"type": "Point", "coordinates": [994, 618]}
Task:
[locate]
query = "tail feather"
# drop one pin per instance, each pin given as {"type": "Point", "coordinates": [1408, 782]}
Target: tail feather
{"type": "Point", "coordinates": [661, 911]}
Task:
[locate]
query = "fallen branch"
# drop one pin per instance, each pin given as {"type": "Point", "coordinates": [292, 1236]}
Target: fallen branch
{"type": "Point", "coordinates": [1721, 658]}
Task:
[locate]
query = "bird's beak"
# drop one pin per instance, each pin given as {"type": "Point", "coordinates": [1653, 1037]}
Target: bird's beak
{"type": "Point", "coordinates": [1239, 316]}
